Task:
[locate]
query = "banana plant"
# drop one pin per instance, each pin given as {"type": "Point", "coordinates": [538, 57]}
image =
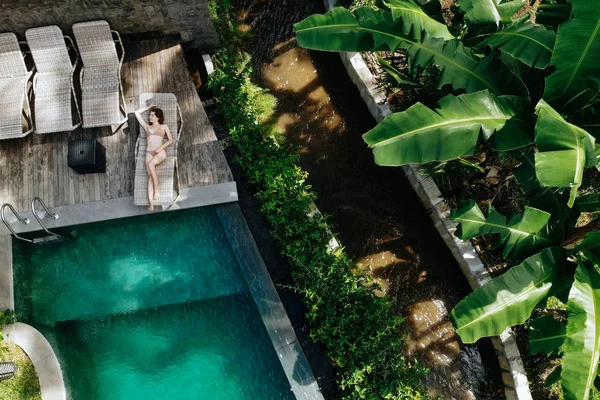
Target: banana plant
{"type": "Point", "coordinates": [533, 92]}
{"type": "Point", "coordinates": [576, 58]}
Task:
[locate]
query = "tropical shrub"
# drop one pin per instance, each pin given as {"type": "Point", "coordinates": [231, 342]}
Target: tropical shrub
{"type": "Point", "coordinates": [356, 327]}
{"type": "Point", "coordinates": [531, 91]}
{"type": "Point", "coordinates": [6, 317]}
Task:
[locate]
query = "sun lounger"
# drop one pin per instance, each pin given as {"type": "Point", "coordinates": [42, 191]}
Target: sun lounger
{"type": "Point", "coordinates": [14, 79]}
{"type": "Point", "coordinates": [167, 170]}
{"type": "Point", "coordinates": [102, 100]}
{"type": "Point", "coordinates": [53, 89]}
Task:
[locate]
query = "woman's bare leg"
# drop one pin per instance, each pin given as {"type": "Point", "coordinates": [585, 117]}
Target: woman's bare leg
{"type": "Point", "coordinates": [157, 159]}
{"type": "Point", "coordinates": [150, 185]}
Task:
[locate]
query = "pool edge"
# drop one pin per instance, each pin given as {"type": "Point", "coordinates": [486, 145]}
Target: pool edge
{"type": "Point", "coordinates": [7, 299]}
{"type": "Point", "coordinates": [273, 314]}
{"type": "Point", "coordinates": [123, 207]}
{"type": "Point", "coordinates": [42, 356]}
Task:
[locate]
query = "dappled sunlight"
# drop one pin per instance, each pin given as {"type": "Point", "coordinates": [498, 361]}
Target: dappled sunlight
{"type": "Point", "coordinates": [287, 119]}
{"type": "Point", "coordinates": [293, 72]}
{"type": "Point", "coordinates": [142, 273]}
{"type": "Point", "coordinates": [431, 331]}
{"type": "Point", "coordinates": [281, 77]}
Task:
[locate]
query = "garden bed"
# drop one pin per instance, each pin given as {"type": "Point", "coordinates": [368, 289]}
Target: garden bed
{"type": "Point", "coordinates": [24, 385]}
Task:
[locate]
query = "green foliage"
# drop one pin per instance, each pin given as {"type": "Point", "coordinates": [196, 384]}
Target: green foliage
{"type": "Point", "coordinates": [24, 385]}
{"type": "Point", "coordinates": [355, 326]}
{"type": "Point", "coordinates": [582, 345]}
{"type": "Point", "coordinates": [6, 317]}
{"type": "Point", "coordinates": [510, 298]}
{"type": "Point", "coordinates": [518, 236]}
{"type": "Point", "coordinates": [564, 151]}
{"type": "Point", "coordinates": [547, 124]}
{"type": "Point", "coordinates": [448, 132]}
{"type": "Point", "coordinates": [546, 334]}
{"type": "Point", "coordinates": [576, 58]}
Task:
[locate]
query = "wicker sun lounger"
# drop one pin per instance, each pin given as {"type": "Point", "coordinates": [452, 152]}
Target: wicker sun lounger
{"type": "Point", "coordinates": [102, 100]}
{"type": "Point", "coordinates": [14, 79]}
{"type": "Point", "coordinates": [53, 83]}
{"type": "Point", "coordinates": [167, 171]}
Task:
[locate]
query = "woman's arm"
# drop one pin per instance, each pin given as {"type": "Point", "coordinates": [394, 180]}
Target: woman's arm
{"type": "Point", "coordinates": [138, 115]}
{"type": "Point", "coordinates": [169, 140]}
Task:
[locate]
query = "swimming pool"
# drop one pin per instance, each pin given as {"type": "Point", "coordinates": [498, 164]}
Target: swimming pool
{"type": "Point", "coordinates": [151, 307]}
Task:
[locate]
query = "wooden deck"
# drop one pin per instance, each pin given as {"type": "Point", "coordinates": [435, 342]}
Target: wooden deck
{"type": "Point", "coordinates": [37, 164]}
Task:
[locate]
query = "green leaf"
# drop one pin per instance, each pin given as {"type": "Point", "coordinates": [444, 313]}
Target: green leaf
{"type": "Point", "coordinates": [394, 73]}
{"type": "Point", "coordinates": [552, 200]}
{"type": "Point", "coordinates": [590, 246]}
{"type": "Point", "coordinates": [589, 118]}
{"type": "Point", "coordinates": [553, 376]}
{"type": "Point", "coordinates": [576, 57]}
{"type": "Point", "coordinates": [414, 15]}
{"type": "Point", "coordinates": [518, 131]}
{"type": "Point", "coordinates": [588, 203]}
{"type": "Point", "coordinates": [518, 236]}
{"type": "Point", "coordinates": [481, 12]}
{"type": "Point", "coordinates": [529, 43]}
{"type": "Point", "coordinates": [582, 345]}
{"type": "Point", "coordinates": [546, 334]}
{"type": "Point", "coordinates": [369, 29]}
{"type": "Point", "coordinates": [565, 150]}
{"type": "Point", "coordinates": [420, 135]}
{"type": "Point", "coordinates": [338, 30]}
{"type": "Point", "coordinates": [510, 298]}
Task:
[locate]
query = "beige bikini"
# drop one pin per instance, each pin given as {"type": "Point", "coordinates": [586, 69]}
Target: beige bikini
{"type": "Point", "coordinates": [162, 135]}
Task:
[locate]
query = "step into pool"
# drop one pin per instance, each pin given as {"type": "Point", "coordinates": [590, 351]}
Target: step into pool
{"type": "Point", "coordinates": [152, 307]}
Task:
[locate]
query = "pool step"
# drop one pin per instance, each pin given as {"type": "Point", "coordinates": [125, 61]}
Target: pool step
{"type": "Point", "coordinates": [45, 239]}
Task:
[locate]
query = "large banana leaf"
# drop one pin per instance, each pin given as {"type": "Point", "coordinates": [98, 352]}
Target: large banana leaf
{"type": "Point", "coordinates": [420, 135]}
{"type": "Point", "coordinates": [532, 44]}
{"type": "Point", "coordinates": [576, 57]}
{"type": "Point", "coordinates": [370, 29]}
{"type": "Point", "coordinates": [518, 131]}
{"type": "Point", "coordinates": [552, 200]}
{"type": "Point", "coordinates": [414, 15]}
{"type": "Point", "coordinates": [546, 334]}
{"type": "Point", "coordinates": [565, 150]}
{"type": "Point", "coordinates": [519, 236]}
{"type": "Point", "coordinates": [582, 345]}
{"type": "Point", "coordinates": [510, 298]}
{"type": "Point", "coordinates": [481, 12]}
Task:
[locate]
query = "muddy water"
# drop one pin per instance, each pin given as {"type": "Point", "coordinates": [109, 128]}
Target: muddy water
{"type": "Point", "coordinates": [380, 221]}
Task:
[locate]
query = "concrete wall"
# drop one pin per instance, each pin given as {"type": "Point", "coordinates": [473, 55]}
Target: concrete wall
{"type": "Point", "coordinates": [189, 18]}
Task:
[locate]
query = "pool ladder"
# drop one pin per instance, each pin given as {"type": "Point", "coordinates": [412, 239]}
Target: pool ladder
{"type": "Point", "coordinates": [51, 235]}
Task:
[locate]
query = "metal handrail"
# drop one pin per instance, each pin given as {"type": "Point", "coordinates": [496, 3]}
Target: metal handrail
{"type": "Point", "coordinates": [53, 215]}
{"type": "Point", "coordinates": [23, 220]}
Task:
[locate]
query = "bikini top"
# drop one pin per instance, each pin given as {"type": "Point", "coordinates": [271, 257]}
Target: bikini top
{"type": "Point", "coordinates": [156, 133]}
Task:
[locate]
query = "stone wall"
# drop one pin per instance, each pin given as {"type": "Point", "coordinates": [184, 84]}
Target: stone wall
{"type": "Point", "coordinates": [189, 18]}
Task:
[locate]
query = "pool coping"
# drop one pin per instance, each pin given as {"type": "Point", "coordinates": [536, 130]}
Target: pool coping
{"type": "Point", "coordinates": [273, 314]}
{"type": "Point", "coordinates": [123, 207]}
{"type": "Point", "coordinates": [514, 378]}
{"type": "Point", "coordinates": [42, 356]}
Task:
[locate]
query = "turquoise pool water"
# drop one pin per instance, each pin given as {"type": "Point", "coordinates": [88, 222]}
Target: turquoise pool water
{"type": "Point", "coordinates": [151, 307]}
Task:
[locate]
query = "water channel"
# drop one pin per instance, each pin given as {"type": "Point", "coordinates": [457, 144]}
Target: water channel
{"type": "Point", "coordinates": [380, 221]}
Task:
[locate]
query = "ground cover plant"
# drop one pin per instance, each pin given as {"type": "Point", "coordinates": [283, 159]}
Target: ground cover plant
{"type": "Point", "coordinates": [355, 326]}
{"type": "Point", "coordinates": [25, 384]}
{"type": "Point", "coordinates": [524, 80]}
